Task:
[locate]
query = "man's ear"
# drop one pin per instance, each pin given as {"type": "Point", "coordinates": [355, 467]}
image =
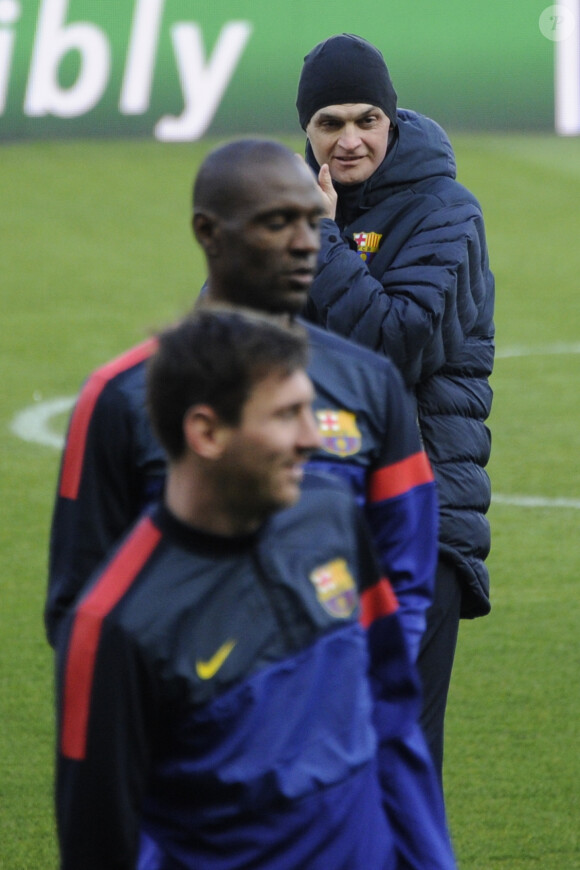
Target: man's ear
{"type": "Point", "coordinates": [206, 231]}
{"type": "Point", "coordinates": [204, 431]}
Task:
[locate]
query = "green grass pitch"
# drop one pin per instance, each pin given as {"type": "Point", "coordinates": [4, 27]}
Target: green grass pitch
{"type": "Point", "coordinates": [97, 252]}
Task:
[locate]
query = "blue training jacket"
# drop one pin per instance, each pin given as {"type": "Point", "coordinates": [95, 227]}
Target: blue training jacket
{"type": "Point", "coordinates": [404, 270]}
{"type": "Point", "coordinates": [233, 703]}
{"type": "Point", "coordinates": [113, 466]}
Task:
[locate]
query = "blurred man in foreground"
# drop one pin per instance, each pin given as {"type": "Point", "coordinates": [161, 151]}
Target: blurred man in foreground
{"type": "Point", "coordinates": [215, 706]}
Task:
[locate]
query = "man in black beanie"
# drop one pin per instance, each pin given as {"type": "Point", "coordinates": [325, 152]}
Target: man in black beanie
{"type": "Point", "coordinates": [404, 270]}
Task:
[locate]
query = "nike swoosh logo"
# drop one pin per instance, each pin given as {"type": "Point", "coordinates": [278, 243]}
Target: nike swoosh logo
{"type": "Point", "coordinates": [207, 670]}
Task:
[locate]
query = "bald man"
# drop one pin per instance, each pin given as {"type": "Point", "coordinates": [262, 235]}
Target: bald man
{"type": "Point", "coordinates": [256, 214]}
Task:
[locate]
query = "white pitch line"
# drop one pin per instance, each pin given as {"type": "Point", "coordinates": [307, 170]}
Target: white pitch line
{"type": "Point", "coordinates": [548, 350]}
{"type": "Point", "coordinates": [530, 501]}
{"type": "Point", "coordinates": [533, 501]}
{"type": "Point", "coordinates": [33, 424]}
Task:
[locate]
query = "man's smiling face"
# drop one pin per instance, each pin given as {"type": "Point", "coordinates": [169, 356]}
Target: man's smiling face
{"type": "Point", "coordinates": [351, 138]}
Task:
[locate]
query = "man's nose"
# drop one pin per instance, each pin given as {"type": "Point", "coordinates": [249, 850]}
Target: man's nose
{"type": "Point", "coordinates": [349, 138]}
{"type": "Point", "coordinates": [306, 237]}
{"type": "Point", "coordinates": [309, 435]}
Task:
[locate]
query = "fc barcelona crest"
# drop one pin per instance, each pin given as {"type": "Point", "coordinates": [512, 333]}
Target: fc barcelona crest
{"type": "Point", "coordinates": [335, 588]}
{"type": "Point", "coordinates": [367, 245]}
{"type": "Point", "coordinates": [339, 431]}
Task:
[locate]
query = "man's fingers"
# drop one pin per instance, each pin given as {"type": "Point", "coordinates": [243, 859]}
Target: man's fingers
{"type": "Point", "coordinates": [328, 191]}
{"type": "Point", "coordinates": [324, 179]}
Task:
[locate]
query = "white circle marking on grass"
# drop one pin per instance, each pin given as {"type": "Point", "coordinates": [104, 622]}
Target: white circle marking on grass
{"type": "Point", "coordinates": [33, 424]}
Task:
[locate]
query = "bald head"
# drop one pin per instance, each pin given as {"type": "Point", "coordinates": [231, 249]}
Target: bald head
{"type": "Point", "coordinates": [228, 172]}
{"type": "Point", "coordinates": [256, 214]}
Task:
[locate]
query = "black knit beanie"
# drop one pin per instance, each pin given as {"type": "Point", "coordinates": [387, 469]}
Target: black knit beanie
{"type": "Point", "coordinates": [344, 69]}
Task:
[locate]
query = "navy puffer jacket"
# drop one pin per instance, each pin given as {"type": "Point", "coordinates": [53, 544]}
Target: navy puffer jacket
{"type": "Point", "coordinates": [420, 290]}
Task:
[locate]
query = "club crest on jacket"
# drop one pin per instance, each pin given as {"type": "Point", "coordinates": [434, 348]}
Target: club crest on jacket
{"type": "Point", "coordinates": [367, 245]}
{"type": "Point", "coordinates": [339, 431]}
{"type": "Point", "coordinates": [335, 588]}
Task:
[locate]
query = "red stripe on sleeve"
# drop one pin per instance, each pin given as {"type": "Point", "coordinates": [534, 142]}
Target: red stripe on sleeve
{"type": "Point", "coordinates": [77, 436]}
{"type": "Point", "coordinates": [86, 631]}
{"type": "Point", "coordinates": [400, 477]}
{"type": "Point", "coordinates": [380, 600]}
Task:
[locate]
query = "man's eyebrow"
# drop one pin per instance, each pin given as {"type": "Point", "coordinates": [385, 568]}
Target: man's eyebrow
{"type": "Point", "coordinates": [289, 211]}
{"type": "Point", "coordinates": [330, 116]}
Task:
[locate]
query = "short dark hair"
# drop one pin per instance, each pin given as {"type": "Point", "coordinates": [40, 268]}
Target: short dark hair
{"type": "Point", "coordinates": [223, 171]}
{"type": "Point", "coordinates": [216, 356]}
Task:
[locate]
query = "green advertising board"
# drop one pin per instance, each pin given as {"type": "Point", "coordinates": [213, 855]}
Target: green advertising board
{"type": "Point", "coordinates": [177, 69]}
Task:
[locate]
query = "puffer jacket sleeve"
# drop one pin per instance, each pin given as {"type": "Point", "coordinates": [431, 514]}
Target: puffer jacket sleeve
{"type": "Point", "coordinates": [426, 289]}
